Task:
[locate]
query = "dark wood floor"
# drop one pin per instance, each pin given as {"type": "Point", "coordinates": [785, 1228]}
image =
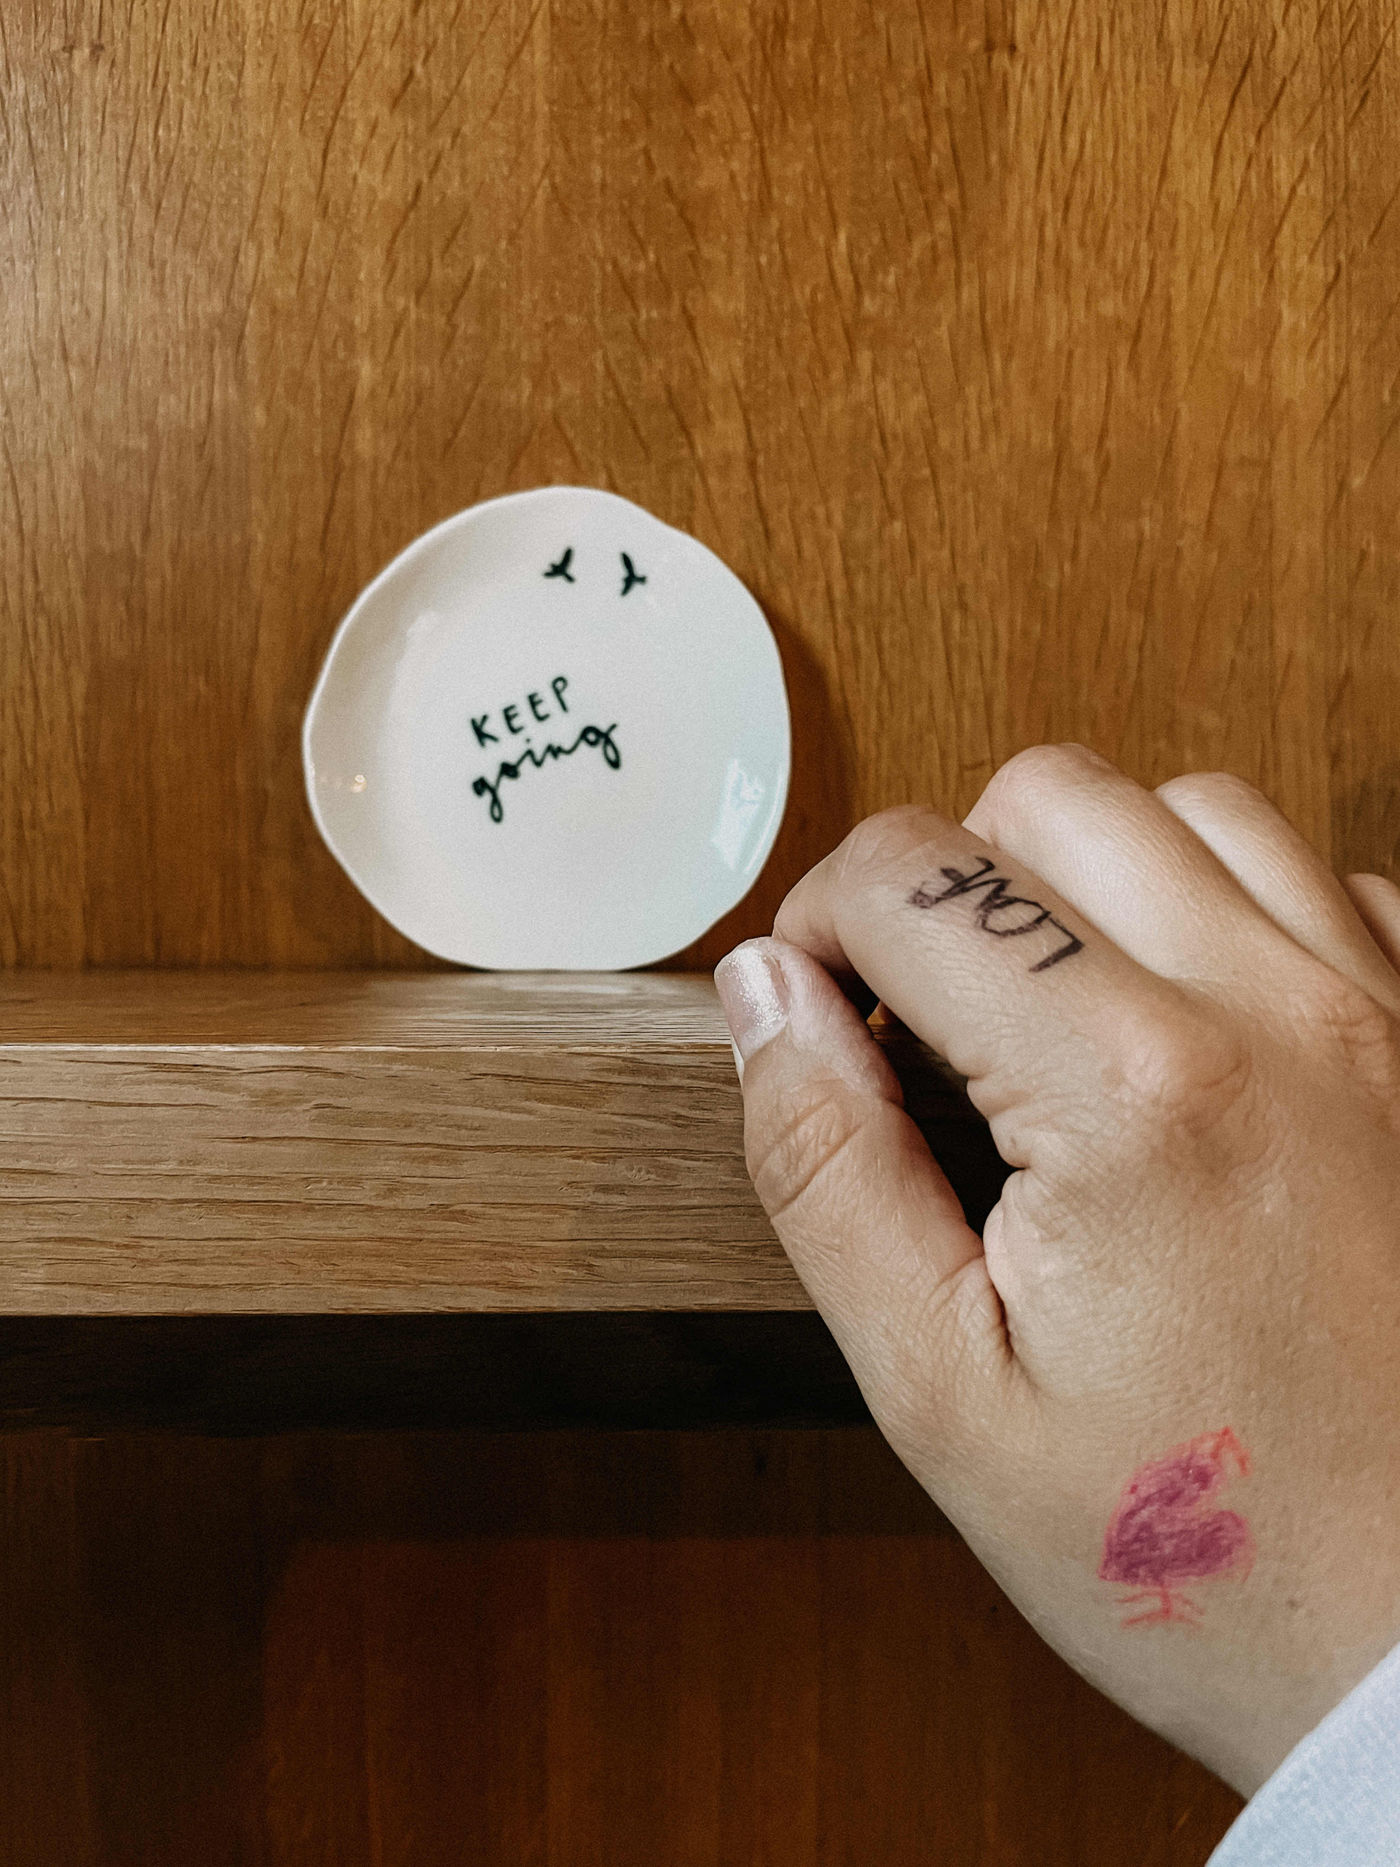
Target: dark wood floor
{"type": "Point", "coordinates": [552, 1647]}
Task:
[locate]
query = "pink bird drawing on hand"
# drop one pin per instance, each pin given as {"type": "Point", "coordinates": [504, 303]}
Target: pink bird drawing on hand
{"type": "Point", "coordinates": [1163, 1533]}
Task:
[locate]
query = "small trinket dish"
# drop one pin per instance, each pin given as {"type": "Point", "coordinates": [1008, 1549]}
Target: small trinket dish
{"type": "Point", "coordinates": [553, 733]}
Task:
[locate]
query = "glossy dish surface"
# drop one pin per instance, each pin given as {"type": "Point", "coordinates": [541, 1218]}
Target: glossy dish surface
{"type": "Point", "coordinates": [553, 733]}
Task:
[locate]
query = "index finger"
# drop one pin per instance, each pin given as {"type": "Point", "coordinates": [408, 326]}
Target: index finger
{"type": "Point", "coordinates": [974, 953]}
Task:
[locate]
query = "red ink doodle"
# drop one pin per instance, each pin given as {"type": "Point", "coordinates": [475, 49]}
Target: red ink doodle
{"type": "Point", "coordinates": [1162, 1535]}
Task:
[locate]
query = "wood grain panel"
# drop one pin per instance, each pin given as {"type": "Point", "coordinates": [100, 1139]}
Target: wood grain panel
{"type": "Point", "coordinates": [331, 1142]}
{"type": "Point", "coordinates": [44, 1705]}
{"type": "Point", "coordinates": [1036, 364]}
{"type": "Point", "coordinates": [543, 1650]}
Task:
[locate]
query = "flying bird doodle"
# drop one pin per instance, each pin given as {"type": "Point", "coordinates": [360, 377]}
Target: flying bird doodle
{"type": "Point", "coordinates": [561, 569]}
{"type": "Point", "coordinates": [1164, 1532]}
{"type": "Point", "coordinates": [630, 574]}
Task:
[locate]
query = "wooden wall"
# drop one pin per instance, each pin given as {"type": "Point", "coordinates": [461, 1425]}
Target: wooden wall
{"type": "Point", "coordinates": [1036, 363]}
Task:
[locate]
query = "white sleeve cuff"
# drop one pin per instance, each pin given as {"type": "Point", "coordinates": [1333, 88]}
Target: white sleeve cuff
{"type": "Point", "coordinates": [1334, 1801]}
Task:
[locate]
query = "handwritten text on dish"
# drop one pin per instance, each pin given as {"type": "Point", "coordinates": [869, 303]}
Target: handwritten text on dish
{"type": "Point", "coordinates": [502, 725]}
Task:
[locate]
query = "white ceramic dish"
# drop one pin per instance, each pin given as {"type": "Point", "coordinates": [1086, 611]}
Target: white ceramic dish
{"type": "Point", "coordinates": [553, 733]}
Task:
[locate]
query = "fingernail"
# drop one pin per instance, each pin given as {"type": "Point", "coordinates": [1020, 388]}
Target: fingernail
{"type": "Point", "coordinates": [754, 996]}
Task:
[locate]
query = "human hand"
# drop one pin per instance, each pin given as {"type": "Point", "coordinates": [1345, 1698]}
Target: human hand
{"type": "Point", "coordinates": [1160, 1396]}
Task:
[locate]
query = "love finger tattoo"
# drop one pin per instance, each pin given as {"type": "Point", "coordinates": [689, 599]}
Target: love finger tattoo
{"type": "Point", "coordinates": [996, 904]}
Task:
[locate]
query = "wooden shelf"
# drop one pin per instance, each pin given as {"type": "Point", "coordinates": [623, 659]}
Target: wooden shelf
{"type": "Point", "coordinates": [218, 1143]}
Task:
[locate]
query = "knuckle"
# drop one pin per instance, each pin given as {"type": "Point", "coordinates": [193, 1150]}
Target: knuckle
{"type": "Point", "coordinates": [1189, 1106]}
{"type": "Point", "coordinates": [883, 839]}
{"type": "Point", "coordinates": [1038, 773]}
{"type": "Point", "coordinates": [1189, 1071]}
{"type": "Point", "coordinates": [810, 1133]}
{"type": "Point", "coordinates": [1352, 1026]}
{"type": "Point", "coordinates": [1208, 789]}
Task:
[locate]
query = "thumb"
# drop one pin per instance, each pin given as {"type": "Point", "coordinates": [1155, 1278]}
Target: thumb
{"type": "Point", "coordinates": [861, 1207]}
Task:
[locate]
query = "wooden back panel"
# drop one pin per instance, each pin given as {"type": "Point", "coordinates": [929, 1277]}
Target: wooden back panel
{"type": "Point", "coordinates": [538, 1650]}
{"type": "Point", "coordinates": [1036, 365]}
